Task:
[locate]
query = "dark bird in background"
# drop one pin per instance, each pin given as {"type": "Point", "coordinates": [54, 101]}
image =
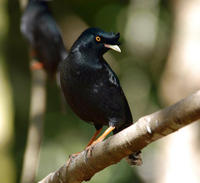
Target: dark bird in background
{"type": "Point", "coordinates": [40, 29]}
{"type": "Point", "coordinates": [91, 87]}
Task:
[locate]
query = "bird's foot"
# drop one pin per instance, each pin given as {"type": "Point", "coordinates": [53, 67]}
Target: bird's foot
{"type": "Point", "coordinates": [71, 157]}
{"type": "Point", "coordinates": [90, 148]}
{"type": "Point", "coordinates": [68, 162]}
{"type": "Point", "coordinates": [35, 65]}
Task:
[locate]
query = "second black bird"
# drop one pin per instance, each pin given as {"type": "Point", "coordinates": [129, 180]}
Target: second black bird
{"type": "Point", "coordinates": [42, 32]}
{"type": "Point", "coordinates": [91, 87]}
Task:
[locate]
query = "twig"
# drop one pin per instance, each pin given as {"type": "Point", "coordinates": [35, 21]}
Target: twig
{"type": "Point", "coordinates": [146, 130]}
{"type": "Point", "coordinates": [35, 131]}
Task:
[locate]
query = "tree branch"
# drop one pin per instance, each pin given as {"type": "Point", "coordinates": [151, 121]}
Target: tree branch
{"type": "Point", "coordinates": [146, 130]}
{"type": "Point", "coordinates": [35, 130]}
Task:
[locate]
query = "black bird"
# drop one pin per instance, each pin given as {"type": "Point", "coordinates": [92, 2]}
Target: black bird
{"type": "Point", "coordinates": [91, 87]}
{"type": "Point", "coordinates": [40, 29]}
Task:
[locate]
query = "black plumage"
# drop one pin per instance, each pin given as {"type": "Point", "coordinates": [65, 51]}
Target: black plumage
{"type": "Point", "coordinates": [42, 32]}
{"type": "Point", "coordinates": [90, 86]}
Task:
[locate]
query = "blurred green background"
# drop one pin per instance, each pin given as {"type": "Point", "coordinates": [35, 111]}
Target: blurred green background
{"type": "Point", "coordinates": [146, 29]}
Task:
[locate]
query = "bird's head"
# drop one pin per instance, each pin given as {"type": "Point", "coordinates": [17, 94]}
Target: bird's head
{"type": "Point", "coordinates": [97, 41]}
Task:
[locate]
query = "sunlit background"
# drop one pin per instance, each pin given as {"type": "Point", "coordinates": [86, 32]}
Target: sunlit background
{"type": "Point", "coordinates": [159, 65]}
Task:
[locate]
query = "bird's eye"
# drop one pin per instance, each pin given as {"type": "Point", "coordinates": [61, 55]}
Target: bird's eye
{"type": "Point", "coordinates": [98, 39]}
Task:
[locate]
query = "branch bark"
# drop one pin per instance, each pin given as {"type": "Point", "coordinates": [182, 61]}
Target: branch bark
{"type": "Point", "coordinates": [134, 138]}
{"type": "Point", "coordinates": [35, 131]}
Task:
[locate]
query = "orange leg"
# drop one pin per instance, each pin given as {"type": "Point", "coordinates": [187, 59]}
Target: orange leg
{"type": "Point", "coordinates": [36, 65]}
{"type": "Point", "coordinates": [104, 135]}
{"type": "Point", "coordinates": [90, 142]}
{"type": "Point", "coordinates": [94, 137]}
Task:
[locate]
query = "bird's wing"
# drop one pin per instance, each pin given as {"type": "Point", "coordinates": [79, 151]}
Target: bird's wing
{"type": "Point", "coordinates": [38, 25]}
{"type": "Point", "coordinates": [117, 98]}
{"type": "Point", "coordinates": [47, 28]}
{"type": "Point", "coordinates": [111, 76]}
{"type": "Point", "coordinates": [27, 22]}
{"type": "Point", "coordinates": [47, 35]}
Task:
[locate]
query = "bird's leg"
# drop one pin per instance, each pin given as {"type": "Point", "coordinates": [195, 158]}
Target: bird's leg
{"type": "Point", "coordinates": [101, 138]}
{"type": "Point", "coordinates": [94, 137]}
{"type": "Point", "coordinates": [90, 142]}
{"type": "Point", "coordinates": [104, 135]}
{"type": "Point", "coordinates": [35, 65]}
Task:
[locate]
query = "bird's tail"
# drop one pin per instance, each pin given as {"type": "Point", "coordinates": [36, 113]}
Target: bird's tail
{"type": "Point", "coordinates": [134, 159]}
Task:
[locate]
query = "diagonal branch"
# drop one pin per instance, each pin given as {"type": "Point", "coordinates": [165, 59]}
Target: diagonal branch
{"type": "Point", "coordinates": [35, 130]}
{"type": "Point", "coordinates": [146, 130]}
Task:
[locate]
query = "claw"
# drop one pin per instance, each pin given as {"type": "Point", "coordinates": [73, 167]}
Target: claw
{"type": "Point", "coordinates": [71, 157]}
{"type": "Point", "coordinates": [89, 150]}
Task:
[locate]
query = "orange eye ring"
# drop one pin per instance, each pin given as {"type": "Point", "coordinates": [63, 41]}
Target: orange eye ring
{"type": "Point", "coordinates": [98, 39]}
